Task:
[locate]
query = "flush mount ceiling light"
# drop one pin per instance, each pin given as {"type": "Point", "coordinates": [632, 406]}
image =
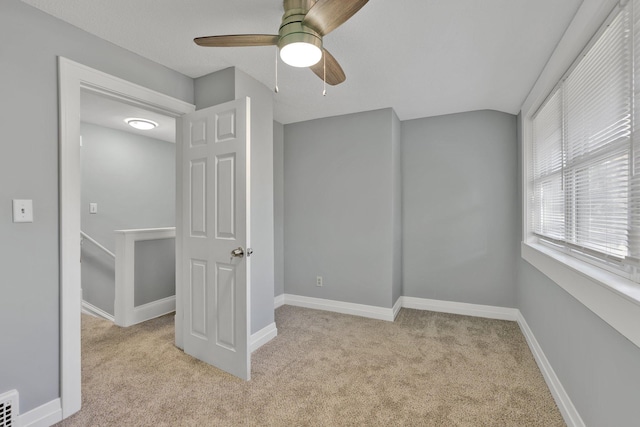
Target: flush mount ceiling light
{"type": "Point", "coordinates": [142, 124]}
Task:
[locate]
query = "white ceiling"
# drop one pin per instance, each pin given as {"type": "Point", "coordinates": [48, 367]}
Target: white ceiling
{"type": "Point", "coordinates": [106, 112]}
{"type": "Point", "coordinates": [421, 57]}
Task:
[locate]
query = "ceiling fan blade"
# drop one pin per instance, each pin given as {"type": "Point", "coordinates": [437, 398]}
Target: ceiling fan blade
{"type": "Point", "coordinates": [239, 40]}
{"type": "Point", "coordinates": [327, 15]}
{"type": "Point", "coordinates": [335, 74]}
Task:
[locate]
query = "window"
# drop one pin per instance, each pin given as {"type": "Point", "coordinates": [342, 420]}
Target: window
{"type": "Point", "coordinates": [581, 158]}
{"type": "Point", "coordinates": [585, 170]}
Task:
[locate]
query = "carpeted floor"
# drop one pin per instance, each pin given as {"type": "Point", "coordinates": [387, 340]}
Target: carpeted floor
{"type": "Point", "coordinates": [324, 369]}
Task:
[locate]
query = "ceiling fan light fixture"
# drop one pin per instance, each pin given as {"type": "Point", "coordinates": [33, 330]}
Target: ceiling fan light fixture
{"type": "Point", "coordinates": [299, 46]}
{"type": "Point", "coordinates": [141, 124]}
{"type": "Point", "coordinates": [299, 39]}
{"type": "Point", "coordinates": [300, 54]}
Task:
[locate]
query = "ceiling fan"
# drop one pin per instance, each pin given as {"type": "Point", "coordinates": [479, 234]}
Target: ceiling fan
{"type": "Point", "coordinates": [299, 39]}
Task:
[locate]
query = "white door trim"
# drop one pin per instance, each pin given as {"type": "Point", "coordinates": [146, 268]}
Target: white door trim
{"type": "Point", "coordinates": [73, 78]}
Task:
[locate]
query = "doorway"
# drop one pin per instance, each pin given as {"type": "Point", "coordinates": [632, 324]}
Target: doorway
{"type": "Point", "coordinates": [74, 78]}
{"type": "Point", "coordinates": [128, 205]}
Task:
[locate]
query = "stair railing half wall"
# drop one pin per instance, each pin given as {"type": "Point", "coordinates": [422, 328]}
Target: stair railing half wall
{"type": "Point", "coordinates": [125, 311]}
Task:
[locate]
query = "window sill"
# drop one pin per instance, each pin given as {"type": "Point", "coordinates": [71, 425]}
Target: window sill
{"type": "Point", "coordinates": [613, 298]}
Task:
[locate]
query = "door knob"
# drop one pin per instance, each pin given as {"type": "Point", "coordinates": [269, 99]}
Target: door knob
{"type": "Point", "coordinates": [239, 252]}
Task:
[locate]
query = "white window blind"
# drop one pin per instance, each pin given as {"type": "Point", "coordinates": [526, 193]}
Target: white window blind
{"type": "Point", "coordinates": [583, 187]}
{"type": "Point", "coordinates": [548, 165]}
{"type": "Point", "coordinates": [597, 116]}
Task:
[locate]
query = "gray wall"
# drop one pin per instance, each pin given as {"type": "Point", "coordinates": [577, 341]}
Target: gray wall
{"type": "Point", "coordinates": [278, 207]}
{"type": "Point", "coordinates": [29, 360]}
{"type": "Point", "coordinates": [227, 85]}
{"type": "Point", "coordinates": [215, 88]}
{"type": "Point", "coordinates": [459, 177]}
{"type": "Point", "coordinates": [598, 367]}
{"type": "Point", "coordinates": [98, 276]}
{"type": "Point", "coordinates": [338, 207]}
{"type": "Point", "coordinates": [132, 178]}
{"type": "Point", "coordinates": [155, 270]}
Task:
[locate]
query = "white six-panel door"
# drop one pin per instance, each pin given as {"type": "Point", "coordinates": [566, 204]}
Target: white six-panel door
{"type": "Point", "coordinates": [215, 208]}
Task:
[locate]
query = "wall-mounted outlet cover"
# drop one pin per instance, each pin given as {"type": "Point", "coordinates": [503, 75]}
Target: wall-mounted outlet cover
{"type": "Point", "coordinates": [22, 210]}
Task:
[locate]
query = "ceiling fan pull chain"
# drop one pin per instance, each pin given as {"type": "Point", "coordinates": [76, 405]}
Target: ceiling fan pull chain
{"type": "Point", "coordinates": [276, 88]}
{"type": "Point", "coordinates": [324, 74]}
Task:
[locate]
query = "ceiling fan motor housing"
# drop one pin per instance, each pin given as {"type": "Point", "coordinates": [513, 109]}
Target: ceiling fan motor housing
{"type": "Point", "coordinates": [292, 30]}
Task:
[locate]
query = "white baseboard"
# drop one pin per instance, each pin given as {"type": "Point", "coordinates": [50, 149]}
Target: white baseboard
{"type": "Point", "coordinates": [396, 308]}
{"type": "Point", "coordinates": [42, 416]}
{"type": "Point", "coordinates": [369, 311]}
{"type": "Point", "coordinates": [154, 309]}
{"type": "Point", "coordinates": [381, 313]}
{"type": "Point", "coordinates": [568, 411]}
{"type": "Point", "coordinates": [92, 310]}
{"type": "Point", "coordinates": [278, 301]}
{"type": "Point", "coordinates": [477, 310]}
{"type": "Point", "coordinates": [262, 337]}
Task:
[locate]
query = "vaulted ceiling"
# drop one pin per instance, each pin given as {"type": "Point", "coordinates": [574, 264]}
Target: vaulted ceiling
{"type": "Point", "coordinates": [421, 57]}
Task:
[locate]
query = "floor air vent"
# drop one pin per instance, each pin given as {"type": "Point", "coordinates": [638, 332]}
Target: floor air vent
{"type": "Point", "coordinates": [9, 409]}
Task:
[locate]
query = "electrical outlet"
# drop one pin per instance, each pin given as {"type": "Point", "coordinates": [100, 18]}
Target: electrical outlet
{"type": "Point", "coordinates": [319, 281]}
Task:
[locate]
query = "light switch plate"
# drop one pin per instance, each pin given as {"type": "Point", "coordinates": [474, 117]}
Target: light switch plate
{"type": "Point", "coordinates": [93, 208]}
{"type": "Point", "coordinates": [22, 210]}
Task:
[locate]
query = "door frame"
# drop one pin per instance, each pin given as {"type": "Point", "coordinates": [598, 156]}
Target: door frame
{"type": "Point", "coordinates": [72, 78]}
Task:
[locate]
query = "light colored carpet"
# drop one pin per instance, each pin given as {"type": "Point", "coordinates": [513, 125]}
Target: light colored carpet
{"type": "Point", "coordinates": [324, 369]}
